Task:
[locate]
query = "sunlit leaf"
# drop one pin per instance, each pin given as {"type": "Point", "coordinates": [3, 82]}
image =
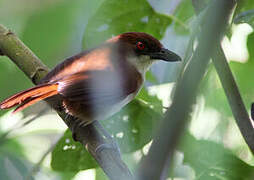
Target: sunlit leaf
{"type": "Point", "coordinates": [153, 101]}
{"type": "Point", "coordinates": [69, 155]}
{"type": "Point", "coordinates": [133, 126]}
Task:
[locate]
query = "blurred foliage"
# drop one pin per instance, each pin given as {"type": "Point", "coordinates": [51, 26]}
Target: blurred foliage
{"type": "Point", "coordinates": [245, 17]}
{"type": "Point", "coordinates": [13, 165]}
{"type": "Point", "coordinates": [113, 18]}
{"type": "Point", "coordinates": [211, 160]}
{"type": "Point", "coordinates": [58, 29]}
{"type": "Point", "coordinates": [184, 12]}
{"type": "Point", "coordinates": [244, 5]}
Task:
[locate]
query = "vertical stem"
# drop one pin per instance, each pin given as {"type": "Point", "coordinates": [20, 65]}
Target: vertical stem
{"type": "Point", "coordinates": [234, 97]}
{"type": "Point", "coordinates": [156, 164]}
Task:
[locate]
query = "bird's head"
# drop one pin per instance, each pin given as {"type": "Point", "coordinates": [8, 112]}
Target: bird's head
{"type": "Point", "coordinates": [143, 49]}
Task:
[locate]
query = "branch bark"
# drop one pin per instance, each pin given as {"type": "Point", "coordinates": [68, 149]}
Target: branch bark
{"type": "Point", "coordinates": [231, 90]}
{"type": "Point", "coordinates": [156, 164]}
{"type": "Point", "coordinates": [100, 148]}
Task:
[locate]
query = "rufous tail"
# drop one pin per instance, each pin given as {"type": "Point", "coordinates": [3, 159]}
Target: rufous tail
{"type": "Point", "coordinates": [30, 96]}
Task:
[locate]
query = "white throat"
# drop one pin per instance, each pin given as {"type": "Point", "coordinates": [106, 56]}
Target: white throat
{"type": "Point", "coordinates": [142, 63]}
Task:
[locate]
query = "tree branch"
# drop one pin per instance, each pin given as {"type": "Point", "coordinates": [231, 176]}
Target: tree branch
{"type": "Point", "coordinates": [155, 164]}
{"type": "Point", "coordinates": [104, 152]}
{"type": "Point", "coordinates": [231, 90]}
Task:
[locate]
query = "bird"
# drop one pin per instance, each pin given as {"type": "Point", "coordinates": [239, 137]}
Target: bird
{"type": "Point", "coordinates": [98, 82]}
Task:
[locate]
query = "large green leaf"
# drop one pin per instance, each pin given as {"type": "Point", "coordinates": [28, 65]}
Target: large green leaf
{"type": "Point", "coordinates": [115, 17]}
{"type": "Point", "coordinates": [69, 155]}
{"type": "Point", "coordinates": [132, 128]}
{"type": "Point", "coordinates": [211, 161]}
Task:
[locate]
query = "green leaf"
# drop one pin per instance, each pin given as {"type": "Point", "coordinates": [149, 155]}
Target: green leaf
{"type": "Point", "coordinates": [10, 146]}
{"type": "Point", "coordinates": [132, 128]}
{"type": "Point", "coordinates": [46, 33]}
{"type": "Point", "coordinates": [154, 102]}
{"type": "Point", "coordinates": [244, 5]}
{"type": "Point", "coordinates": [151, 78]}
{"type": "Point", "coordinates": [69, 155]}
{"type": "Point", "coordinates": [214, 94]}
{"type": "Point", "coordinates": [100, 175]}
{"type": "Point", "coordinates": [245, 17]}
{"type": "Point", "coordinates": [184, 12]}
{"type": "Point", "coordinates": [212, 161]}
{"type": "Point", "coordinates": [114, 17]}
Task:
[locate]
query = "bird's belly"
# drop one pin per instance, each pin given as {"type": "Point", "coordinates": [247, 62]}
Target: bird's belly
{"type": "Point", "coordinates": [115, 108]}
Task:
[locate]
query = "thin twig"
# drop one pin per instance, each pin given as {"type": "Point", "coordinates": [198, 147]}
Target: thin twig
{"type": "Point", "coordinates": [178, 21]}
{"type": "Point", "coordinates": [156, 164]}
{"type": "Point", "coordinates": [231, 90]}
{"type": "Point", "coordinates": [229, 85]}
{"type": "Point", "coordinates": [25, 59]}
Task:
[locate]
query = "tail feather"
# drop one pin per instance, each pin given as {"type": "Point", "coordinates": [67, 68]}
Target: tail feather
{"type": "Point", "coordinates": [29, 96]}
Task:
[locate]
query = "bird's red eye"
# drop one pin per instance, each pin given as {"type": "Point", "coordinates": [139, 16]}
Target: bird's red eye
{"type": "Point", "coordinates": [140, 45]}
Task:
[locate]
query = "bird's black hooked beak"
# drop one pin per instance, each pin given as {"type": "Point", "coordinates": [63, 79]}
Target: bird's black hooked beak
{"type": "Point", "coordinates": [166, 55]}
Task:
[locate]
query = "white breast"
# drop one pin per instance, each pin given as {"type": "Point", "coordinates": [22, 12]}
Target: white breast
{"type": "Point", "coordinates": [116, 107]}
{"type": "Point", "coordinates": [142, 63]}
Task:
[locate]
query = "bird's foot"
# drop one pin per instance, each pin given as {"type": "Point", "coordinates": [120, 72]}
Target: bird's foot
{"type": "Point", "coordinates": [77, 124]}
{"type": "Point", "coordinates": [112, 145]}
{"type": "Point", "coordinates": [111, 142]}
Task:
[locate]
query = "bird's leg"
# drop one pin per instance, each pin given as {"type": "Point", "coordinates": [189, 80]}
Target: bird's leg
{"type": "Point", "coordinates": [112, 142]}
{"type": "Point", "coordinates": [77, 124]}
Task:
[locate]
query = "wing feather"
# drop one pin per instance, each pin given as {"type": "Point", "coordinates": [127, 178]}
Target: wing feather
{"type": "Point", "coordinates": [100, 88]}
